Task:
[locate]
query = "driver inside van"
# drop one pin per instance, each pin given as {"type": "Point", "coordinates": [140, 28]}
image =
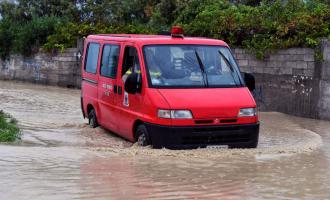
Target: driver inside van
{"type": "Point", "coordinates": [160, 65]}
{"type": "Point", "coordinates": [153, 67]}
{"type": "Point", "coordinates": [131, 63]}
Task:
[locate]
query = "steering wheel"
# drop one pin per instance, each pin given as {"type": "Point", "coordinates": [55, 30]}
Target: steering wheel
{"type": "Point", "coordinates": [213, 70]}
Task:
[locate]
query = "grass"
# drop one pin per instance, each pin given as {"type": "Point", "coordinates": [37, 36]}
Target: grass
{"type": "Point", "coordinates": [9, 132]}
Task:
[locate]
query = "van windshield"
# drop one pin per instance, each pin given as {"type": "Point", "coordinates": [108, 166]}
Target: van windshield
{"type": "Point", "coordinates": [181, 66]}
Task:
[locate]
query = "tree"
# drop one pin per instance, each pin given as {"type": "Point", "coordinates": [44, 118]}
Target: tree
{"type": "Point", "coordinates": [6, 38]}
{"type": "Point", "coordinates": [248, 2]}
{"type": "Point", "coordinates": [116, 11]}
{"type": "Point", "coordinates": [24, 10]}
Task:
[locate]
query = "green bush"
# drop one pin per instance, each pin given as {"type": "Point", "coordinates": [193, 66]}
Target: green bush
{"type": "Point", "coordinates": [6, 38]}
{"type": "Point", "coordinates": [66, 35]}
{"type": "Point", "coordinates": [9, 132]}
{"type": "Point", "coordinates": [261, 26]}
{"type": "Point", "coordinates": [30, 35]}
{"type": "Point", "coordinates": [25, 37]}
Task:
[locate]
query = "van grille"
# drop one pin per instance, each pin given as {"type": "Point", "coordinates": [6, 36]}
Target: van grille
{"type": "Point", "coordinates": [203, 121]}
{"type": "Point", "coordinates": [228, 120]}
{"type": "Point", "coordinates": [210, 121]}
{"type": "Point", "coordinates": [216, 135]}
{"type": "Point", "coordinates": [217, 139]}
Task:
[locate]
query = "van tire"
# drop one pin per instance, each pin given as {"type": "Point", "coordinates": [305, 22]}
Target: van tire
{"type": "Point", "coordinates": [253, 145]}
{"type": "Point", "coordinates": [142, 136]}
{"type": "Point", "coordinates": [92, 119]}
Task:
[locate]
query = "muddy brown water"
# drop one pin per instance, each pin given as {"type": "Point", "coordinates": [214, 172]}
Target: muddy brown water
{"type": "Point", "coordinates": [60, 157]}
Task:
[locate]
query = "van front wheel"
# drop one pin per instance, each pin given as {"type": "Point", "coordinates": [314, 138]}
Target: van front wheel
{"type": "Point", "coordinates": [92, 119]}
{"type": "Point", "coordinates": [142, 136]}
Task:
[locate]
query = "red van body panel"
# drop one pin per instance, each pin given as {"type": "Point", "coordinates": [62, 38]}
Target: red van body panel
{"type": "Point", "coordinates": [215, 108]}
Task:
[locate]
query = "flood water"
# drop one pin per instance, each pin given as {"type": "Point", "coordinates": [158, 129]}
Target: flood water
{"type": "Point", "coordinates": [60, 157]}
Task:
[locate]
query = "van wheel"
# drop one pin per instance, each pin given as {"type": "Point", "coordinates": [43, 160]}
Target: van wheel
{"type": "Point", "coordinates": [142, 136]}
{"type": "Point", "coordinates": [253, 145]}
{"type": "Point", "coordinates": [92, 120]}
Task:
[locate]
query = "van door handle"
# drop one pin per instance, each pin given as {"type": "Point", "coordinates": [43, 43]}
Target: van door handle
{"type": "Point", "coordinates": [120, 90]}
{"type": "Point", "coordinates": [117, 89]}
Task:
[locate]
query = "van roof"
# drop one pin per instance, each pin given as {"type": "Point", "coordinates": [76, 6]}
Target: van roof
{"type": "Point", "coordinates": [156, 39]}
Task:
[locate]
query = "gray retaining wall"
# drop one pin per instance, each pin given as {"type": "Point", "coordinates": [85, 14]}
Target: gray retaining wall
{"type": "Point", "coordinates": [289, 81]}
{"type": "Point", "coordinates": [62, 69]}
{"type": "Point", "coordinates": [324, 84]}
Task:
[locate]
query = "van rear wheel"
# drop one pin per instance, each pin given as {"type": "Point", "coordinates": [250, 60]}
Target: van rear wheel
{"type": "Point", "coordinates": [92, 119]}
{"type": "Point", "coordinates": [142, 136]}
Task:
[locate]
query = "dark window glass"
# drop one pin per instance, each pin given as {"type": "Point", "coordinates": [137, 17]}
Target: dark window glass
{"type": "Point", "coordinates": [131, 64]}
{"type": "Point", "coordinates": [92, 57]}
{"type": "Point", "coordinates": [191, 66]}
{"type": "Point", "coordinates": [131, 61]}
{"type": "Point", "coordinates": [110, 57]}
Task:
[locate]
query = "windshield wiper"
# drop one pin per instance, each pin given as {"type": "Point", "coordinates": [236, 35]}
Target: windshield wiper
{"type": "Point", "coordinates": [230, 66]}
{"type": "Point", "coordinates": [226, 60]}
{"type": "Point", "coordinates": [202, 67]}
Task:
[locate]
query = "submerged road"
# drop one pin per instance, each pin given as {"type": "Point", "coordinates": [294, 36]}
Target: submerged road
{"type": "Point", "coordinates": [60, 157]}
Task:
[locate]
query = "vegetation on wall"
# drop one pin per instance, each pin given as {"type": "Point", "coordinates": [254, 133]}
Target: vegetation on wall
{"type": "Point", "coordinates": [260, 26]}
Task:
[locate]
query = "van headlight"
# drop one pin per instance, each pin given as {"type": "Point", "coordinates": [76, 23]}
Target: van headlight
{"type": "Point", "coordinates": [174, 114]}
{"type": "Point", "coordinates": [247, 112]}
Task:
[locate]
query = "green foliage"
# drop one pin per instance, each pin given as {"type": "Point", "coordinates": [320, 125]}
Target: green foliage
{"type": "Point", "coordinates": [66, 36]}
{"type": "Point", "coordinates": [25, 37]}
{"type": "Point", "coordinates": [260, 26]}
{"type": "Point", "coordinates": [9, 132]}
{"type": "Point", "coordinates": [27, 9]}
{"type": "Point", "coordinates": [29, 36]}
{"type": "Point", "coordinates": [6, 38]}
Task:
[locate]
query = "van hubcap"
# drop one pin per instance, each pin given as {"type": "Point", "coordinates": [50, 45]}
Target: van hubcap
{"type": "Point", "coordinates": [142, 140]}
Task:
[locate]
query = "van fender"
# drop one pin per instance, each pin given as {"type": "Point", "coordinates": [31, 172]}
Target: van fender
{"type": "Point", "coordinates": [82, 107]}
{"type": "Point", "coordinates": [91, 105]}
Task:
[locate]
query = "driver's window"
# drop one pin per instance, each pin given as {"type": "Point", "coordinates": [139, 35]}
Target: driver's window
{"type": "Point", "coordinates": [131, 62]}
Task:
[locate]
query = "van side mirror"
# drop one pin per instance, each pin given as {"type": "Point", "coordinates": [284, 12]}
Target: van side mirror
{"type": "Point", "coordinates": [131, 83]}
{"type": "Point", "coordinates": [250, 81]}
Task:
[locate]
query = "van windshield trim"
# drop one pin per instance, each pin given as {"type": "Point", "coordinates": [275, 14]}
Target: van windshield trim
{"type": "Point", "coordinates": [240, 82]}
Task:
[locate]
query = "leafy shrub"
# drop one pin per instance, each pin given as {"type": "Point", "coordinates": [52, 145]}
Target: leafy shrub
{"type": "Point", "coordinates": [268, 26]}
{"type": "Point", "coordinates": [9, 132]}
{"type": "Point", "coordinates": [29, 36]}
{"type": "Point", "coordinates": [66, 35]}
{"type": "Point", "coordinates": [25, 37]}
{"type": "Point", "coordinates": [260, 26]}
{"type": "Point", "coordinates": [6, 38]}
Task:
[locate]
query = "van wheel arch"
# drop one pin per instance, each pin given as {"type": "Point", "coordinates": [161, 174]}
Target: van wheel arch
{"type": "Point", "coordinates": [137, 123]}
{"type": "Point", "coordinates": [92, 118]}
{"type": "Point", "coordinates": [90, 107]}
{"type": "Point", "coordinates": [142, 135]}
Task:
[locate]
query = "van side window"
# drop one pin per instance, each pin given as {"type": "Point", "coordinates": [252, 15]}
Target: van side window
{"type": "Point", "coordinates": [92, 57]}
{"type": "Point", "coordinates": [109, 63]}
{"type": "Point", "coordinates": [131, 62]}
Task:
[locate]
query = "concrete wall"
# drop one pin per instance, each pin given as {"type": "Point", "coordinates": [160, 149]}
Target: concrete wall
{"type": "Point", "coordinates": [324, 84]}
{"type": "Point", "coordinates": [289, 81]}
{"type": "Point", "coordinates": [62, 69]}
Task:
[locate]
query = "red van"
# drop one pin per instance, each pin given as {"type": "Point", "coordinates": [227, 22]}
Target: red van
{"type": "Point", "coordinates": [168, 91]}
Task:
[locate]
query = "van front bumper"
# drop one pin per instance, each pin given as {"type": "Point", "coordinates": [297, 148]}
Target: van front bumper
{"type": "Point", "coordinates": [189, 137]}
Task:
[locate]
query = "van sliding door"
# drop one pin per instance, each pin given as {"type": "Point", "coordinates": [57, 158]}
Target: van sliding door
{"type": "Point", "coordinates": [107, 83]}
